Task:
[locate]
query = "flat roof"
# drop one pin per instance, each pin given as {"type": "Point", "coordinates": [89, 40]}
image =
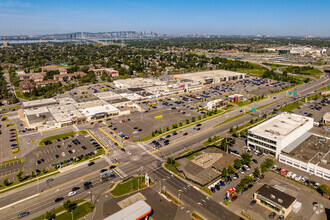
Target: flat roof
{"type": "Point", "coordinates": [109, 95]}
{"type": "Point", "coordinates": [281, 125]}
{"type": "Point", "coordinates": [276, 196]}
{"type": "Point", "coordinates": [135, 211]}
{"type": "Point", "coordinates": [64, 113]}
{"type": "Point", "coordinates": [94, 107]}
{"type": "Point", "coordinates": [312, 150]}
{"type": "Point", "coordinates": [39, 102]}
{"type": "Point", "coordinates": [207, 74]}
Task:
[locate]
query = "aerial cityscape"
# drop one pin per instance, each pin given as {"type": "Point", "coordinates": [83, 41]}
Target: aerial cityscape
{"type": "Point", "coordinates": [161, 110]}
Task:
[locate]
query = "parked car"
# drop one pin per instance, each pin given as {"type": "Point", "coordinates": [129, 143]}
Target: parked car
{"type": "Point", "coordinates": [59, 199]}
{"type": "Point", "coordinates": [253, 202]}
{"type": "Point", "coordinates": [272, 215]}
{"type": "Point", "coordinates": [234, 198]}
{"type": "Point", "coordinates": [91, 164]}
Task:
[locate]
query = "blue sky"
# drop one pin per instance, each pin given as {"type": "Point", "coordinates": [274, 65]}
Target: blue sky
{"type": "Point", "coordinates": [241, 17]}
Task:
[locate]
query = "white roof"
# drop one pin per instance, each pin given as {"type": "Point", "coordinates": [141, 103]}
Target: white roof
{"type": "Point", "coordinates": [132, 212]}
{"type": "Point", "coordinates": [93, 107]}
{"type": "Point", "coordinates": [39, 102]}
{"type": "Point", "coordinates": [281, 125]}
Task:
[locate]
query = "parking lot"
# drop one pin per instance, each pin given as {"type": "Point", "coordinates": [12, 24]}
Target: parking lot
{"type": "Point", "coordinates": [139, 125]}
{"type": "Point", "coordinates": [303, 194]}
{"type": "Point", "coordinates": [45, 157]}
{"type": "Point", "coordinates": [315, 108]}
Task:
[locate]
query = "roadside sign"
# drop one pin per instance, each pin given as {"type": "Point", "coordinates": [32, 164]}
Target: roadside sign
{"type": "Point", "coordinates": [146, 177]}
{"type": "Point", "coordinates": [159, 117]}
{"type": "Point", "coordinates": [290, 93]}
{"type": "Point", "coordinates": [254, 110]}
{"type": "Point", "coordinates": [295, 93]}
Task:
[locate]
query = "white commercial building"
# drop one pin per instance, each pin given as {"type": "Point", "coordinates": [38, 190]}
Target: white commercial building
{"type": "Point", "coordinates": [214, 103]}
{"type": "Point", "coordinates": [272, 136]}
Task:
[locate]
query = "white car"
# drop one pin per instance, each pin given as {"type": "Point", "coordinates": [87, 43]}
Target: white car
{"type": "Point", "coordinates": [72, 193]}
{"type": "Point", "coordinates": [135, 132]}
{"type": "Point", "coordinates": [63, 154]}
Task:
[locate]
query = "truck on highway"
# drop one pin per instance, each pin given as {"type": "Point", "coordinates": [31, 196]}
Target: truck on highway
{"type": "Point", "coordinates": [107, 175]}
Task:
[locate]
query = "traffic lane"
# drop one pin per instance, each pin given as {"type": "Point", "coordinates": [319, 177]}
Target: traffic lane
{"type": "Point", "coordinates": [46, 201]}
{"type": "Point", "coordinates": [193, 197]}
{"type": "Point", "coordinates": [59, 179]}
{"type": "Point", "coordinates": [217, 130]}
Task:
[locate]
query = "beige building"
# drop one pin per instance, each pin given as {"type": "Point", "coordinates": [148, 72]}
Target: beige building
{"type": "Point", "coordinates": [274, 200]}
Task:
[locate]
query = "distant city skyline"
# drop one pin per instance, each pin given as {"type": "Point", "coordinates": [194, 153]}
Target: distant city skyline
{"type": "Point", "coordinates": [210, 17]}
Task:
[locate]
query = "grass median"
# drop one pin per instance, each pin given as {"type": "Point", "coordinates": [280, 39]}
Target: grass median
{"type": "Point", "coordinates": [129, 186]}
{"type": "Point", "coordinates": [55, 137]}
{"type": "Point", "coordinates": [12, 160]}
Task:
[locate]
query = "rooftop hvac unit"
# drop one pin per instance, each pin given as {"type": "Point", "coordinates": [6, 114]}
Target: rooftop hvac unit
{"type": "Point", "coordinates": [324, 161]}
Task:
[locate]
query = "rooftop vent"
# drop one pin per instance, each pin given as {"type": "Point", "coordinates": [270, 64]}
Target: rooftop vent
{"type": "Point", "coordinates": [280, 200]}
{"type": "Point", "coordinates": [272, 196]}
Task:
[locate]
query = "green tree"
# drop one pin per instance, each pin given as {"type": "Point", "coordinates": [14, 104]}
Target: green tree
{"type": "Point", "coordinates": [44, 171]}
{"type": "Point", "coordinates": [224, 172]}
{"type": "Point", "coordinates": [32, 173]}
{"type": "Point", "coordinates": [214, 138]}
{"type": "Point", "coordinates": [174, 125]}
{"type": "Point", "coordinates": [5, 182]}
{"type": "Point", "coordinates": [69, 205]}
{"type": "Point", "coordinates": [204, 115]}
{"type": "Point", "coordinates": [251, 121]}
{"type": "Point", "coordinates": [167, 128]}
{"type": "Point", "coordinates": [193, 119]}
{"type": "Point", "coordinates": [49, 215]}
{"type": "Point", "coordinates": [209, 140]}
{"type": "Point", "coordinates": [160, 131]}
{"type": "Point", "coordinates": [180, 124]}
{"type": "Point", "coordinates": [19, 175]}
{"type": "Point", "coordinates": [323, 189]}
{"type": "Point", "coordinates": [231, 130]}
{"type": "Point", "coordinates": [199, 117]}
{"type": "Point", "coordinates": [55, 165]}
{"type": "Point", "coordinates": [246, 158]}
{"type": "Point", "coordinates": [13, 99]}
{"type": "Point", "coordinates": [256, 172]}
{"type": "Point", "coordinates": [234, 140]}
{"type": "Point", "coordinates": [231, 169]}
{"type": "Point", "coordinates": [187, 121]}
{"type": "Point", "coordinates": [237, 164]}
{"type": "Point", "coordinates": [170, 161]}
{"type": "Point", "coordinates": [263, 167]}
{"type": "Point", "coordinates": [269, 162]}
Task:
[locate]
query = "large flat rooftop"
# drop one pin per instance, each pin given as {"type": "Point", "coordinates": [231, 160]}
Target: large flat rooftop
{"type": "Point", "coordinates": [39, 102]}
{"type": "Point", "coordinates": [281, 125]}
{"type": "Point", "coordinates": [196, 76]}
{"type": "Point", "coordinates": [313, 150]}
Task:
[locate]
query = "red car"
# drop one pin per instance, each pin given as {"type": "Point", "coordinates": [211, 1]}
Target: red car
{"type": "Point", "coordinates": [12, 133]}
{"type": "Point", "coordinates": [126, 137]}
{"type": "Point", "coordinates": [234, 198]}
{"type": "Point", "coordinates": [185, 134]}
{"type": "Point", "coordinates": [123, 121]}
{"type": "Point", "coordinates": [69, 145]}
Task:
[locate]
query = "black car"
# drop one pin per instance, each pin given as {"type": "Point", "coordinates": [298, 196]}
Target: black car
{"type": "Point", "coordinates": [112, 167]}
{"type": "Point", "coordinates": [38, 171]}
{"type": "Point", "coordinates": [91, 164]}
{"type": "Point", "coordinates": [88, 185]}
{"type": "Point", "coordinates": [122, 149]}
{"type": "Point", "coordinates": [75, 188]}
{"type": "Point", "coordinates": [253, 202]}
{"type": "Point", "coordinates": [23, 214]}
{"type": "Point", "coordinates": [212, 189]}
{"type": "Point", "coordinates": [254, 160]}
{"type": "Point", "coordinates": [59, 199]}
{"type": "Point", "coordinates": [272, 215]}
{"type": "Point", "coordinates": [217, 187]}
{"type": "Point", "coordinates": [103, 170]}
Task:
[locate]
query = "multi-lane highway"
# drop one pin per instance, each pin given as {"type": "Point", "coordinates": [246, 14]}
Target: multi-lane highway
{"type": "Point", "coordinates": [142, 158]}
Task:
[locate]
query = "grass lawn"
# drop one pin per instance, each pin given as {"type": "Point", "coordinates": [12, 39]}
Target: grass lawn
{"type": "Point", "coordinates": [129, 186]}
{"type": "Point", "coordinates": [196, 216]}
{"type": "Point", "coordinates": [32, 141]}
{"type": "Point", "coordinates": [78, 212]}
{"type": "Point", "coordinates": [12, 160]}
{"type": "Point", "coordinates": [290, 107]}
{"type": "Point", "coordinates": [184, 152]}
{"type": "Point", "coordinates": [313, 72]}
{"type": "Point", "coordinates": [10, 125]}
{"type": "Point", "coordinates": [20, 95]}
{"type": "Point", "coordinates": [83, 132]}
{"type": "Point", "coordinates": [190, 155]}
{"type": "Point", "coordinates": [60, 209]}
{"type": "Point", "coordinates": [253, 71]}
{"type": "Point", "coordinates": [55, 137]}
{"type": "Point", "coordinates": [171, 168]}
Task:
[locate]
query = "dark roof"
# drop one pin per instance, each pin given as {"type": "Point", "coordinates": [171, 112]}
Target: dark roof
{"type": "Point", "coordinates": [135, 89]}
{"type": "Point", "coordinates": [276, 196]}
